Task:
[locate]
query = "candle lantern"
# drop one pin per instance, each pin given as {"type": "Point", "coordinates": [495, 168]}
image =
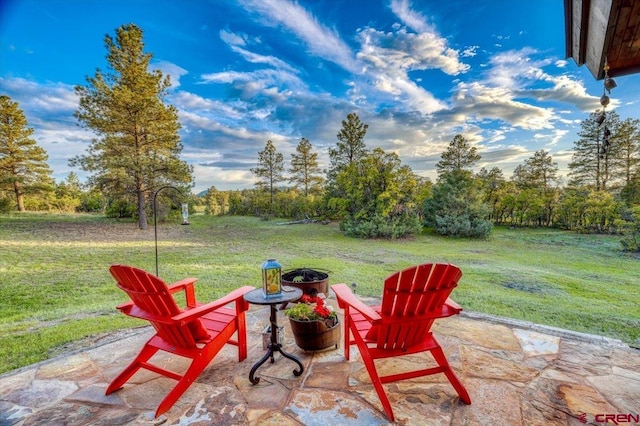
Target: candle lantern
{"type": "Point", "coordinates": [271, 276]}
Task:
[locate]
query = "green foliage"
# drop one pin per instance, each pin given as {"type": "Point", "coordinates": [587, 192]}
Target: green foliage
{"type": "Point", "coordinates": [457, 207]}
{"type": "Point", "coordinates": [138, 146]}
{"type": "Point", "coordinates": [631, 230]}
{"type": "Point", "coordinates": [120, 208]}
{"type": "Point", "coordinates": [269, 171]}
{"type": "Point", "coordinates": [216, 202]}
{"type": "Point", "coordinates": [349, 150]}
{"type": "Point", "coordinates": [6, 205]}
{"type": "Point", "coordinates": [460, 155]}
{"type": "Point", "coordinates": [350, 147]}
{"type": "Point", "coordinates": [378, 197]}
{"type": "Point", "coordinates": [305, 172]}
{"type": "Point", "coordinates": [590, 165]}
{"type": "Point", "coordinates": [463, 226]}
{"type": "Point", "coordinates": [23, 164]}
{"type": "Point", "coordinates": [92, 201]}
{"type": "Point", "coordinates": [394, 226]}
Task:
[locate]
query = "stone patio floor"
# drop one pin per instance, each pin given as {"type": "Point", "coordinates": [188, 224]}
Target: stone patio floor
{"type": "Point", "coordinates": [516, 373]}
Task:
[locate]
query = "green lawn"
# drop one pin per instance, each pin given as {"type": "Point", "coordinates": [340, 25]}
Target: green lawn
{"type": "Point", "coordinates": [55, 286]}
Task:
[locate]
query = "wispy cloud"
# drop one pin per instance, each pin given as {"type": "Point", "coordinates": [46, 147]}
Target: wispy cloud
{"type": "Point", "coordinates": [320, 40]}
{"type": "Point", "coordinates": [235, 42]}
{"type": "Point", "coordinates": [411, 18]}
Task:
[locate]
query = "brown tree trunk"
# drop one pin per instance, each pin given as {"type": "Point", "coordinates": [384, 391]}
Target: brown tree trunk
{"type": "Point", "coordinates": [19, 196]}
{"type": "Point", "coordinates": [142, 215]}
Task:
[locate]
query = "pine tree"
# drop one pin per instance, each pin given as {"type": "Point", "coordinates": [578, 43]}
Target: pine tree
{"type": "Point", "coordinates": [350, 149]}
{"type": "Point", "coordinates": [269, 170]}
{"type": "Point", "coordinates": [305, 172]}
{"type": "Point", "coordinates": [350, 146]}
{"type": "Point", "coordinates": [23, 164]}
{"type": "Point", "coordinates": [460, 155]}
{"type": "Point", "coordinates": [457, 207]}
{"type": "Point", "coordinates": [627, 139]}
{"type": "Point", "coordinates": [592, 163]}
{"type": "Point", "coordinates": [538, 172]}
{"type": "Point", "coordinates": [138, 147]}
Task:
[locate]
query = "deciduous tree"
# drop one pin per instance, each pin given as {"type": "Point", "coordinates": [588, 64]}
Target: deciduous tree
{"type": "Point", "coordinates": [137, 148]}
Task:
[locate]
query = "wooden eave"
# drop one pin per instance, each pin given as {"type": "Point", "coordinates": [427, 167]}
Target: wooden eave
{"type": "Point", "coordinates": [599, 30]}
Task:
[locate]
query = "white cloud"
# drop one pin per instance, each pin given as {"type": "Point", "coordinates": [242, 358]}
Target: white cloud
{"type": "Point", "coordinates": [174, 71]}
{"type": "Point", "coordinates": [235, 42]}
{"type": "Point", "coordinates": [319, 39]}
{"type": "Point", "coordinates": [34, 97]}
{"type": "Point", "coordinates": [232, 39]}
{"type": "Point", "coordinates": [412, 19]}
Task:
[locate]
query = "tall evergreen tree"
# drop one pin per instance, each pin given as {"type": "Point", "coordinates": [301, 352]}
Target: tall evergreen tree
{"type": "Point", "coordinates": [538, 172]}
{"type": "Point", "coordinates": [457, 207]}
{"type": "Point", "coordinates": [270, 170]}
{"type": "Point", "coordinates": [305, 172]}
{"type": "Point", "coordinates": [23, 164]}
{"type": "Point", "coordinates": [138, 147]}
{"type": "Point", "coordinates": [350, 147]}
{"type": "Point", "coordinates": [537, 179]}
{"type": "Point", "coordinates": [627, 139]}
{"type": "Point", "coordinates": [592, 164]}
{"type": "Point", "coordinates": [460, 155]}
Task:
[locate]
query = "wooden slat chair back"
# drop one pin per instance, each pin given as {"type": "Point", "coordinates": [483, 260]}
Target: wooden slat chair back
{"type": "Point", "coordinates": [412, 300]}
{"type": "Point", "coordinates": [150, 294]}
{"type": "Point", "coordinates": [197, 332]}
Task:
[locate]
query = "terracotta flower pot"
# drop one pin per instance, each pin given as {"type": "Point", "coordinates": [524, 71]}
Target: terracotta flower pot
{"type": "Point", "coordinates": [315, 335]}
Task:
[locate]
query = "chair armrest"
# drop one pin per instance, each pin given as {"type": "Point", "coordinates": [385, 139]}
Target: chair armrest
{"type": "Point", "coordinates": [452, 304]}
{"type": "Point", "coordinates": [185, 284]}
{"type": "Point", "coordinates": [346, 298]}
{"type": "Point", "coordinates": [234, 296]}
{"type": "Point", "coordinates": [130, 309]}
{"type": "Point", "coordinates": [180, 285]}
{"type": "Point", "coordinates": [450, 308]}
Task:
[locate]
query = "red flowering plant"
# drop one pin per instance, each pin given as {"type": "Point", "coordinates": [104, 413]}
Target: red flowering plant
{"type": "Point", "coordinates": [313, 308]}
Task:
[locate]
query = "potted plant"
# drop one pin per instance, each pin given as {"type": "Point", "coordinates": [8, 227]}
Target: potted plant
{"type": "Point", "coordinates": [308, 280]}
{"type": "Point", "coordinates": [314, 324]}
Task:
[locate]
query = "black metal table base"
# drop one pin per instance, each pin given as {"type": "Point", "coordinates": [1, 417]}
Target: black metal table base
{"type": "Point", "coordinates": [274, 347]}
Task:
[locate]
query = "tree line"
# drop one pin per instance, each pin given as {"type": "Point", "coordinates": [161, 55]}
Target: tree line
{"type": "Point", "coordinates": [137, 149]}
{"type": "Point", "coordinates": [374, 195]}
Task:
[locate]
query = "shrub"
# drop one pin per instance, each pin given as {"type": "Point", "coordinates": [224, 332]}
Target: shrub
{"type": "Point", "coordinates": [121, 209]}
{"type": "Point", "coordinates": [6, 205]}
{"type": "Point", "coordinates": [381, 227]}
{"type": "Point", "coordinates": [631, 230]}
{"type": "Point", "coordinates": [463, 226]}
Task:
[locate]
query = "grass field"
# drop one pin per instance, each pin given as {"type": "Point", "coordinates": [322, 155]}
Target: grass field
{"type": "Point", "coordinates": [56, 292]}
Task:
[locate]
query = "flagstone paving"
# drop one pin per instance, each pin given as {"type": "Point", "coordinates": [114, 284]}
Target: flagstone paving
{"type": "Point", "coordinates": [516, 374]}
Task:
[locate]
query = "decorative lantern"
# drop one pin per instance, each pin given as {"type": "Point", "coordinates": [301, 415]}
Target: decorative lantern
{"type": "Point", "coordinates": [271, 276]}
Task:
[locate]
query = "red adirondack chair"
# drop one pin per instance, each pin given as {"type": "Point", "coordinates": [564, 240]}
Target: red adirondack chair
{"type": "Point", "coordinates": [412, 299]}
{"type": "Point", "coordinates": [197, 332]}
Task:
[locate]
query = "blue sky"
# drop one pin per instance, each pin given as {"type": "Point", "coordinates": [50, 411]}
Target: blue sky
{"type": "Point", "coordinates": [245, 71]}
